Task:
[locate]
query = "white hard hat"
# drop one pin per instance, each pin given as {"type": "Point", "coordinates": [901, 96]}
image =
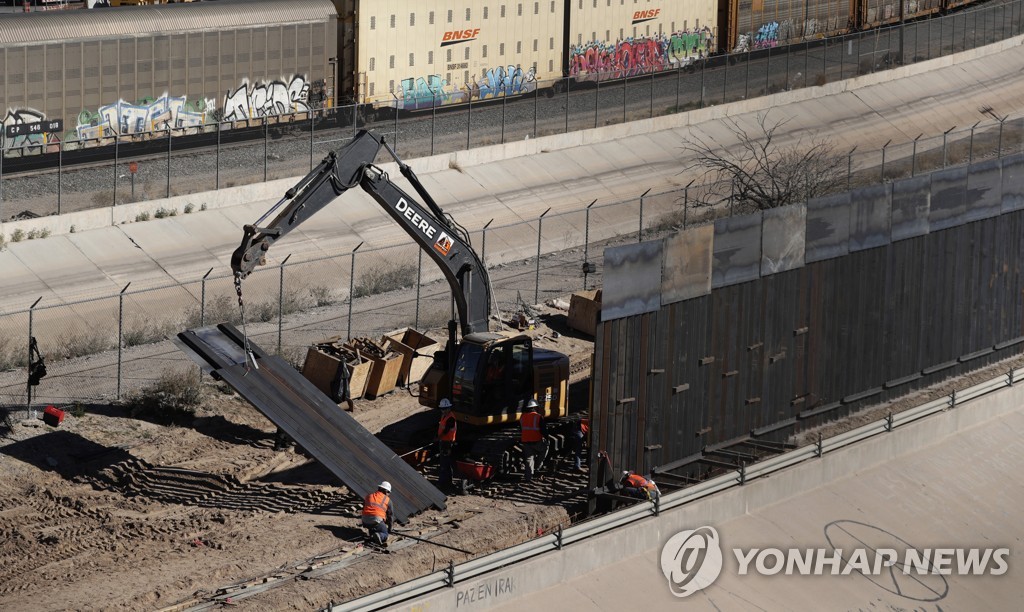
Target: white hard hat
{"type": "Point", "coordinates": [625, 473]}
{"type": "Point", "coordinates": [385, 486]}
{"type": "Point", "coordinates": [531, 404]}
{"type": "Point", "coordinates": [445, 404]}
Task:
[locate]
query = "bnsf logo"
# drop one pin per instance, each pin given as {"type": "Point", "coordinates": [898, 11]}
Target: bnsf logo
{"type": "Point", "coordinates": [640, 16]}
{"type": "Point", "coordinates": [457, 36]}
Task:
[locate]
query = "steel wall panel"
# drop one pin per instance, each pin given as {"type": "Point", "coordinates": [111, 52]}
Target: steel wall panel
{"type": "Point", "coordinates": [948, 206]}
{"type": "Point", "coordinates": [870, 217]}
{"type": "Point", "coordinates": [910, 207]}
{"type": "Point", "coordinates": [828, 227]}
{"type": "Point", "coordinates": [686, 271]}
{"type": "Point", "coordinates": [1013, 183]}
{"type": "Point", "coordinates": [737, 250]}
{"type": "Point", "coordinates": [632, 280]}
{"type": "Point", "coordinates": [782, 248]}
{"type": "Point", "coordinates": [983, 197]}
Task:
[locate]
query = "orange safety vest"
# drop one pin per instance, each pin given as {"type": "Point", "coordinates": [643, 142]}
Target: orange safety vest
{"type": "Point", "coordinates": [585, 425]}
{"type": "Point", "coordinates": [639, 482]}
{"type": "Point", "coordinates": [531, 427]}
{"type": "Point", "coordinates": [447, 436]}
{"type": "Point", "coordinates": [376, 504]}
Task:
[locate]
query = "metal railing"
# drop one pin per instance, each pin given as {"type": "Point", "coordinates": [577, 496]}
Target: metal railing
{"type": "Point", "coordinates": [170, 162]}
{"type": "Point", "coordinates": [462, 572]}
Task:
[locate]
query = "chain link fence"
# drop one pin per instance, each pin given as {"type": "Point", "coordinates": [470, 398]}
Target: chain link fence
{"type": "Point", "coordinates": [52, 174]}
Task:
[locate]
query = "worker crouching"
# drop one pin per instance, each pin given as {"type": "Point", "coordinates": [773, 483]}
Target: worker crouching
{"type": "Point", "coordinates": [377, 514]}
{"type": "Point", "coordinates": [635, 485]}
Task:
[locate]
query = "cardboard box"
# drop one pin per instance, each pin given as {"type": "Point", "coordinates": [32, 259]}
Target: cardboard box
{"type": "Point", "coordinates": [585, 311]}
{"type": "Point", "coordinates": [321, 368]}
{"type": "Point", "coordinates": [384, 371]}
{"type": "Point", "coordinates": [408, 342]}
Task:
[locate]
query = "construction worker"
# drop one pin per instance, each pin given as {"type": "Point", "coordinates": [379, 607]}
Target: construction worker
{"type": "Point", "coordinates": [579, 441]}
{"type": "Point", "coordinates": [446, 430]}
{"type": "Point", "coordinates": [635, 485]}
{"type": "Point", "coordinates": [531, 438]}
{"type": "Point", "coordinates": [377, 514]}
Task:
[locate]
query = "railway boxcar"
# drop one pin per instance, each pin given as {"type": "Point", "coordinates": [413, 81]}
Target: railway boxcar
{"type": "Point", "coordinates": [145, 69]}
{"type": "Point", "coordinates": [611, 39]}
{"type": "Point", "coordinates": [415, 55]}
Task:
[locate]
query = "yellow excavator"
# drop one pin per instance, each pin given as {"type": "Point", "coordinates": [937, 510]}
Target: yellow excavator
{"type": "Point", "coordinates": [488, 376]}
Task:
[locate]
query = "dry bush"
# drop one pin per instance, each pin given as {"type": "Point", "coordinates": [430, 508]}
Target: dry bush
{"type": "Point", "coordinates": [171, 400]}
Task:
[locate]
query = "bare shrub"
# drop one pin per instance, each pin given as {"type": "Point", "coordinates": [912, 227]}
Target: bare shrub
{"type": "Point", "coordinates": [85, 343]}
{"type": "Point", "coordinates": [171, 400]}
{"type": "Point", "coordinates": [384, 277]}
{"type": "Point", "coordinates": [147, 332]}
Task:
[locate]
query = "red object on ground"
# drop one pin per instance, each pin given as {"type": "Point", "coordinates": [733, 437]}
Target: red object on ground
{"type": "Point", "coordinates": [53, 416]}
{"type": "Point", "coordinates": [475, 470]}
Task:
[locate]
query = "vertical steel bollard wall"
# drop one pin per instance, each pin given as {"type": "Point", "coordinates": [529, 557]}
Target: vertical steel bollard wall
{"type": "Point", "coordinates": [120, 335]}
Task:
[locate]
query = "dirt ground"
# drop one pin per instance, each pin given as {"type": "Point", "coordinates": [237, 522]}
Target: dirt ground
{"type": "Point", "coordinates": [112, 512]}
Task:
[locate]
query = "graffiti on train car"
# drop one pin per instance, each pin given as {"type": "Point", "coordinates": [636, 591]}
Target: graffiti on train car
{"type": "Point", "coordinates": [267, 99]}
{"type": "Point", "coordinates": [423, 92]}
{"type": "Point", "coordinates": [25, 116]}
{"type": "Point", "coordinates": [146, 115]}
{"type": "Point", "coordinates": [634, 56]}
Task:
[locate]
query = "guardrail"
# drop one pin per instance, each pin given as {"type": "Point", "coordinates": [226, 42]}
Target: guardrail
{"type": "Point", "coordinates": [456, 574]}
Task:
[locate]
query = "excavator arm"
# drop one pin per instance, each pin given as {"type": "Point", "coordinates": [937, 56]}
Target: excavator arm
{"type": "Point", "coordinates": [437, 233]}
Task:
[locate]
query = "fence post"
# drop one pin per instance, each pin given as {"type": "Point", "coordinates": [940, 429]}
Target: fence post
{"type": "Point", "coordinates": [703, 69]}
{"type": "Point", "coordinates": [202, 298]}
{"type": "Point", "coordinates": [536, 283]}
{"type": "Point", "coordinates": [679, 71]}
{"type": "Point", "coordinates": [419, 282]}
{"type": "Point", "coordinates": [28, 387]}
{"type": "Point", "coordinates": [280, 302]}
{"type": "Point", "coordinates": [913, 156]}
{"type": "Point", "coordinates": [216, 184]}
{"type": "Point", "coordinates": [60, 172]}
{"type": "Point", "coordinates": [469, 121]}
{"type": "Point", "coordinates": [1000, 155]}
{"type": "Point", "coordinates": [433, 118]}
{"type": "Point", "coordinates": [351, 289]}
{"type": "Point", "coordinates": [396, 120]}
{"type": "Point", "coordinates": [483, 245]}
{"type": "Point", "coordinates": [120, 335]}
{"type": "Point", "coordinates": [944, 135]}
{"type": "Point", "coordinates": [884, 147]}
{"type": "Point", "coordinates": [504, 100]}
{"type": "Point", "coordinates": [567, 103]}
{"type": "Point", "coordinates": [652, 94]}
{"type": "Point", "coordinates": [266, 146]}
{"type": "Point", "coordinates": [116, 155]}
{"type": "Point", "coordinates": [970, 147]}
{"type": "Point", "coordinates": [849, 166]}
{"type": "Point", "coordinates": [536, 104]}
{"type": "Point", "coordinates": [312, 122]}
{"type": "Point", "coordinates": [597, 98]}
{"type": "Point", "coordinates": [3, 152]}
{"type": "Point", "coordinates": [586, 241]}
{"type": "Point", "coordinates": [686, 200]}
{"type": "Point", "coordinates": [168, 194]}
{"type": "Point", "coordinates": [640, 230]}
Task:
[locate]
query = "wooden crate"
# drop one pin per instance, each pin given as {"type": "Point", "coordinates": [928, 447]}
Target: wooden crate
{"type": "Point", "coordinates": [408, 342]}
{"type": "Point", "coordinates": [384, 372]}
{"type": "Point", "coordinates": [585, 311]}
{"type": "Point", "coordinates": [321, 368]}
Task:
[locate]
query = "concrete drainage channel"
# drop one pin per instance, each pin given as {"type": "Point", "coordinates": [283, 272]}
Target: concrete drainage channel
{"type": "Point", "coordinates": [450, 588]}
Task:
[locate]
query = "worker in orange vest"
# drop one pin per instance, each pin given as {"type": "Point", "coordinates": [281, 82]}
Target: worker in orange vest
{"type": "Point", "coordinates": [635, 485]}
{"type": "Point", "coordinates": [377, 514]}
{"type": "Point", "coordinates": [446, 430]}
{"type": "Point", "coordinates": [579, 440]}
{"type": "Point", "coordinates": [531, 438]}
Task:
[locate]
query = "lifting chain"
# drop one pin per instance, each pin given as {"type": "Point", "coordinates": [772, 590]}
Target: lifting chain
{"type": "Point", "coordinates": [245, 335]}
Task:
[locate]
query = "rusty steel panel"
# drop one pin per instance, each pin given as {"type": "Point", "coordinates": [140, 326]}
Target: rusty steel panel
{"type": "Point", "coordinates": [984, 190]}
{"type": "Point", "coordinates": [782, 248]}
{"type": "Point", "coordinates": [828, 227]}
{"type": "Point", "coordinates": [329, 434]}
{"type": "Point", "coordinates": [686, 269]}
{"type": "Point", "coordinates": [948, 206]}
{"type": "Point", "coordinates": [910, 207]}
{"type": "Point", "coordinates": [1013, 183]}
{"type": "Point", "coordinates": [870, 217]}
{"type": "Point", "coordinates": [737, 250]}
{"type": "Point", "coordinates": [632, 280]}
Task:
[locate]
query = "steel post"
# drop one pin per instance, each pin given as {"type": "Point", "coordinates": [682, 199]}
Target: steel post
{"type": "Point", "coordinates": [266, 146]}
{"type": "Point", "coordinates": [540, 232]}
{"type": "Point", "coordinates": [652, 94]}
{"type": "Point", "coordinates": [586, 240]}
{"type": "Point", "coordinates": [945, 135]}
{"type": "Point", "coordinates": [216, 184]}
{"type": "Point", "coordinates": [168, 164]}
{"type": "Point", "coordinates": [433, 118]}
{"type": "Point", "coordinates": [640, 230]}
{"type": "Point", "coordinates": [312, 122]}
{"type": "Point", "coordinates": [120, 335]}
{"type": "Point", "coordinates": [116, 152]}
{"type": "Point", "coordinates": [970, 147]}
{"type": "Point", "coordinates": [884, 147]}
{"type": "Point", "coordinates": [483, 245]}
{"type": "Point", "coordinates": [597, 98]}
{"type": "Point", "coordinates": [504, 100]}
{"type": "Point", "coordinates": [469, 121]}
{"type": "Point", "coordinates": [849, 167]}
{"type": "Point", "coordinates": [202, 298]}
{"type": "Point", "coordinates": [60, 173]}
{"type": "Point", "coordinates": [567, 104]}
{"type": "Point", "coordinates": [280, 302]}
{"type": "Point", "coordinates": [352, 289]}
{"type": "Point", "coordinates": [913, 156]}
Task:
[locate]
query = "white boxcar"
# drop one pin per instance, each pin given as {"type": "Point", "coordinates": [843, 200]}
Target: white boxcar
{"type": "Point", "coordinates": [611, 39]}
{"type": "Point", "coordinates": [411, 56]}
